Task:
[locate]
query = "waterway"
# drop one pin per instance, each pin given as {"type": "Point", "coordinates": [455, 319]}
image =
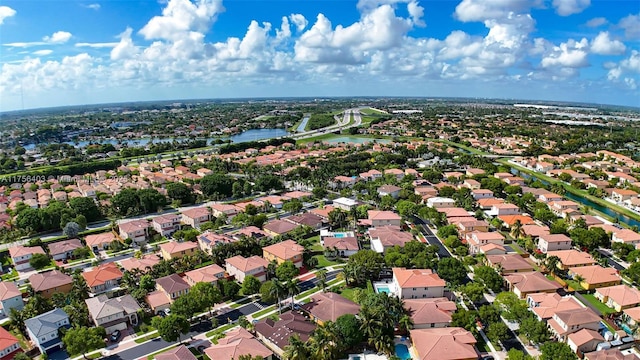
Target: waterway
{"type": "Point", "coordinates": [303, 124]}
{"type": "Point", "coordinates": [249, 135]}
{"type": "Point", "coordinates": [595, 206]}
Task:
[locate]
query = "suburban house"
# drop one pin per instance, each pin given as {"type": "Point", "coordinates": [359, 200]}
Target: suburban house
{"type": "Point", "coordinates": [572, 258]}
{"type": "Point", "coordinates": [509, 263]}
{"type": "Point", "coordinates": [103, 277]}
{"type": "Point", "coordinates": [596, 276]}
{"type": "Point", "coordinates": [626, 236]}
{"type": "Point", "coordinates": [283, 251]}
{"type": "Point", "coordinates": [278, 227]}
{"type": "Point", "coordinates": [43, 329]}
{"type": "Point", "coordinates": [416, 284]}
{"type": "Point", "coordinates": [385, 237]}
{"type": "Point", "coordinates": [210, 274]}
{"type": "Point", "coordinates": [115, 313]}
{"type": "Point", "coordinates": [535, 231]}
{"type": "Point", "coordinates": [276, 334]}
{"type": "Point", "coordinates": [566, 322]}
{"type": "Point", "coordinates": [10, 298]}
{"type": "Point", "coordinates": [345, 204]}
{"type": "Point", "coordinates": [63, 250]}
{"type": "Point", "coordinates": [430, 313]}
{"type": "Point", "coordinates": [9, 345]}
{"type": "Point", "coordinates": [173, 286]}
{"type": "Point", "coordinates": [370, 175]}
{"type": "Point", "coordinates": [620, 195]}
{"type": "Point", "coordinates": [444, 344]}
{"type": "Point", "coordinates": [329, 306]}
{"type": "Point", "coordinates": [224, 210]}
{"type": "Point", "coordinates": [175, 250]}
{"type": "Point", "coordinates": [99, 241]}
{"type": "Point", "coordinates": [236, 343]}
{"type": "Point", "coordinates": [553, 242]}
{"type": "Point", "coordinates": [524, 284]}
{"type": "Point", "coordinates": [239, 267]}
{"type": "Point", "coordinates": [158, 301]}
{"type": "Point", "coordinates": [504, 209]}
{"type": "Point", "coordinates": [440, 202]}
{"type": "Point", "coordinates": [20, 255]}
{"type": "Point", "coordinates": [389, 190]}
{"type": "Point", "coordinates": [136, 230]}
{"type": "Point", "coordinates": [492, 249]}
{"type": "Point", "coordinates": [397, 173]}
{"type": "Point", "coordinates": [471, 184]}
{"type": "Point", "coordinates": [50, 282]}
{"type": "Point", "coordinates": [307, 219]}
{"type": "Point", "coordinates": [167, 224]}
{"type": "Point", "coordinates": [545, 305]}
{"type": "Point", "coordinates": [610, 354]}
{"type": "Point", "coordinates": [196, 216]}
{"type": "Point", "coordinates": [145, 263]}
{"type": "Point", "coordinates": [382, 218]}
{"type": "Point", "coordinates": [481, 194]}
{"type": "Point", "coordinates": [342, 246]}
{"type": "Point", "coordinates": [341, 182]}
{"type": "Point", "coordinates": [477, 239]}
{"type": "Point", "coordinates": [618, 297]}
{"type": "Point", "coordinates": [208, 240]}
{"type": "Point", "coordinates": [584, 340]}
{"type": "Point", "coordinates": [178, 353]}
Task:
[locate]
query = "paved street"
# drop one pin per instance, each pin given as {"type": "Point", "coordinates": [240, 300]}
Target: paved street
{"type": "Point", "coordinates": [443, 252]}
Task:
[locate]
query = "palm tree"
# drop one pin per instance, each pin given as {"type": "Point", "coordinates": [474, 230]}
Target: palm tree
{"type": "Point", "coordinates": [516, 229]}
{"type": "Point", "coordinates": [277, 290]}
{"type": "Point", "coordinates": [322, 279]}
{"type": "Point", "coordinates": [296, 350]}
{"type": "Point", "coordinates": [293, 287]}
{"type": "Point", "coordinates": [324, 342]}
{"type": "Point", "coordinates": [551, 263]}
{"type": "Point", "coordinates": [405, 324]}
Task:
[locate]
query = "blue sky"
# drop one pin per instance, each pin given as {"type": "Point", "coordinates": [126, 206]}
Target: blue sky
{"type": "Point", "coordinates": [69, 52]}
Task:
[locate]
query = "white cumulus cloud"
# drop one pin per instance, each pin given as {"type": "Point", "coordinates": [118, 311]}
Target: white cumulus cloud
{"type": "Point", "coordinates": [631, 26]}
{"type": "Point", "coordinates": [604, 45]}
{"type": "Point", "coordinates": [570, 7]}
{"type": "Point", "coordinates": [182, 16]}
{"type": "Point", "coordinates": [58, 37]}
{"type": "Point", "coordinates": [6, 12]}
{"type": "Point", "coordinates": [125, 48]}
{"type": "Point", "coordinates": [570, 54]}
{"type": "Point", "coordinates": [299, 21]}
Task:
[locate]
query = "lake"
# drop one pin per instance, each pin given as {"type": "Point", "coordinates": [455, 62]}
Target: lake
{"type": "Point", "coordinates": [249, 135]}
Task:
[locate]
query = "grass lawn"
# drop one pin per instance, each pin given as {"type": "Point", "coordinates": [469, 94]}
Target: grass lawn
{"type": "Point", "coordinates": [370, 111]}
{"type": "Point", "coordinates": [574, 285]}
{"type": "Point", "coordinates": [140, 340]}
{"type": "Point", "coordinates": [324, 262]}
{"type": "Point", "coordinates": [315, 240]}
{"type": "Point", "coordinates": [349, 292]}
{"type": "Point", "coordinates": [598, 305]}
{"type": "Point", "coordinates": [264, 311]}
{"type": "Point", "coordinates": [198, 355]}
{"type": "Point", "coordinates": [220, 329]}
{"type": "Point", "coordinates": [240, 303]}
{"type": "Point", "coordinates": [13, 275]}
{"type": "Point", "coordinates": [482, 345]}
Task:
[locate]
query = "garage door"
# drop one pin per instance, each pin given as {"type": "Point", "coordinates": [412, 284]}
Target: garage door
{"type": "Point", "coordinates": [121, 326]}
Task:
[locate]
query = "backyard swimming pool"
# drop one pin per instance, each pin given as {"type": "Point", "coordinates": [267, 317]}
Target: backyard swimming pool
{"type": "Point", "coordinates": [383, 289]}
{"type": "Point", "coordinates": [402, 351]}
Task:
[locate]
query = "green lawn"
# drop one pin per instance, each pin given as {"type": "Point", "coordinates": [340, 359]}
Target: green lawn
{"type": "Point", "coordinates": [264, 311]}
{"type": "Point", "coordinates": [220, 329]}
{"type": "Point", "coordinates": [324, 262]}
{"type": "Point", "coordinates": [198, 355]}
{"type": "Point", "coordinates": [370, 111]}
{"type": "Point", "coordinates": [13, 275]}
{"type": "Point", "coordinates": [598, 305]}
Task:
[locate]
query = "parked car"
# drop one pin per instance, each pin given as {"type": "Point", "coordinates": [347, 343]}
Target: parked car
{"type": "Point", "coordinates": [115, 335]}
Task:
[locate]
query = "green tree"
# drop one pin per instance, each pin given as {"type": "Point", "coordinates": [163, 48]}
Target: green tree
{"type": "Point", "coordinates": [170, 328]}
{"type": "Point", "coordinates": [250, 285]}
{"type": "Point", "coordinates": [286, 271]}
{"type": "Point", "coordinates": [296, 350]}
{"type": "Point", "coordinates": [151, 200]}
{"type": "Point", "coordinates": [21, 356]}
{"type": "Point", "coordinates": [364, 265]}
{"type": "Point", "coordinates": [39, 261]}
{"type": "Point", "coordinates": [472, 291]}
{"type": "Point", "coordinates": [489, 277]}
{"type": "Point", "coordinates": [515, 354]}
{"type": "Point", "coordinates": [71, 230]}
{"type": "Point", "coordinates": [85, 206]}
{"type": "Point", "coordinates": [498, 332]}
{"type": "Point", "coordinates": [229, 288]}
{"type": "Point", "coordinates": [267, 293]}
{"type": "Point", "coordinates": [348, 327]}
{"type": "Point", "coordinates": [556, 350]}
{"type": "Point", "coordinates": [452, 270]}
{"type": "Point", "coordinates": [536, 331]}
{"type": "Point", "coordinates": [292, 206]}
{"type": "Point", "coordinates": [180, 192]}
{"type": "Point", "coordinates": [81, 340]}
{"type": "Point", "coordinates": [125, 202]}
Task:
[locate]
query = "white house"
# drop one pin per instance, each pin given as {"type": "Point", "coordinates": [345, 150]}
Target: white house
{"type": "Point", "coordinates": [345, 204]}
{"type": "Point", "coordinates": [553, 242]}
{"type": "Point", "coordinates": [440, 202]}
{"type": "Point", "coordinates": [10, 298]}
{"type": "Point", "coordinates": [416, 284]}
{"type": "Point", "coordinates": [20, 255]}
{"type": "Point", "coordinates": [167, 224]}
{"type": "Point", "coordinates": [239, 267]}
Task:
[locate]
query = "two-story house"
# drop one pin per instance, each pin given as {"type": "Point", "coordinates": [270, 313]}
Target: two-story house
{"type": "Point", "coordinates": [50, 282]}
{"type": "Point", "coordinates": [63, 250]}
{"type": "Point", "coordinates": [20, 255]}
{"type": "Point", "coordinates": [9, 345]}
{"type": "Point", "coordinates": [115, 313]}
{"type": "Point", "coordinates": [526, 283]}
{"type": "Point", "coordinates": [175, 250]}
{"type": "Point", "coordinates": [567, 322]}
{"type": "Point", "coordinates": [103, 277]}
{"type": "Point", "coordinates": [553, 242]}
{"type": "Point", "coordinates": [173, 286]}
{"type": "Point", "coordinates": [10, 298]}
{"type": "Point", "coordinates": [43, 329]}
{"type": "Point", "coordinates": [196, 216]}
{"type": "Point", "coordinates": [283, 251]}
{"type": "Point", "coordinates": [389, 190]}
{"type": "Point", "coordinates": [382, 218]}
{"type": "Point", "coordinates": [239, 267]}
{"type": "Point", "coordinates": [416, 284]}
{"type": "Point", "coordinates": [136, 230]}
{"type": "Point", "coordinates": [224, 210]}
{"type": "Point", "coordinates": [167, 224]}
{"type": "Point", "coordinates": [477, 239]}
{"type": "Point", "coordinates": [210, 274]}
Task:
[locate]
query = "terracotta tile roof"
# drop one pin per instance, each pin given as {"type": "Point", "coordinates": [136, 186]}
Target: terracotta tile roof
{"type": "Point", "coordinates": [173, 247]}
{"type": "Point", "coordinates": [61, 247]}
{"type": "Point", "coordinates": [205, 274]}
{"type": "Point", "coordinates": [279, 226]}
{"type": "Point", "coordinates": [430, 311]}
{"type": "Point", "coordinates": [444, 344]}
{"type": "Point", "coordinates": [133, 226]}
{"type": "Point", "coordinates": [596, 274]}
{"type": "Point", "coordinates": [572, 257]}
{"type": "Point", "coordinates": [6, 339]}
{"type": "Point", "coordinates": [19, 250]}
{"type": "Point", "coordinates": [196, 212]}
{"type": "Point", "coordinates": [146, 261]}
{"type": "Point", "coordinates": [382, 215]}
{"type": "Point", "coordinates": [102, 274]}
{"type": "Point", "coordinates": [610, 354]}
{"type": "Point", "coordinates": [409, 278]}
{"type": "Point", "coordinates": [531, 282]}
{"type": "Point", "coordinates": [510, 262]}
{"type": "Point", "coordinates": [633, 313]}
{"type": "Point", "coordinates": [343, 243]}
{"type": "Point", "coordinates": [577, 316]}
{"type": "Point", "coordinates": [8, 290]}
{"type": "Point", "coordinates": [285, 249]}
{"type": "Point", "coordinates": [251, 231]}
{"type": "Point", "coordinates": [157, 298]}
{"type": "Point", "coordinates": [584, 336]}
{"type": "Point", "coordinates": [622, 295]}
{"type": "Point", "coordinates": [511, 219]}
{"type": "Point", "coordinates": [279, 332]}
{"type": "Point", "coordinates": [49, 280]}
{"type": "Point", "coordinates": [330, 306]}
{"type": "Point", "coordinates": [247, 264]}
{"type": "Point", "coordinates": [236, 343]}
{"type": "Point", "coordinates": [555, 238]}
{"type": "Point", "coordinates": [179, 353]}
{"type": "Point", "coordinates": [99, 239]}
{"type": "Point", "coordinates": [550, 303]}
{"type": "Point", "coordinates": [535, 230]}
{"type": "Point", "coordinates": [391, 235]}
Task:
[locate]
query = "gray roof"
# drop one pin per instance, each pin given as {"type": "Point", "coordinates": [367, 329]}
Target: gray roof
{"type": "Point", "coordinates": [45, 323]}
{"type": "Point", "coordinates": [101, 306]}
